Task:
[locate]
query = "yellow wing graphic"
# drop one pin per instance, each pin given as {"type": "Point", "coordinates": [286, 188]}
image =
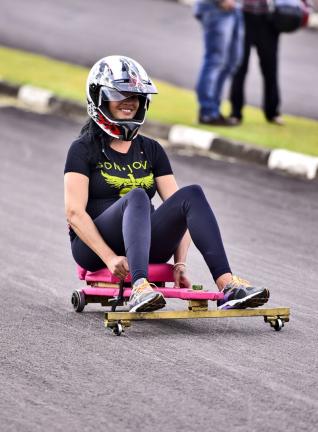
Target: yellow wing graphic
{"type": "Point", "coordinates": [117, 182]}
{"type": "Point", "coordinates": [145, 182]}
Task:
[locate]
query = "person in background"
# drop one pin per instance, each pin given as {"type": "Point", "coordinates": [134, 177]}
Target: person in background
{"type": "Point", "coordinates": [223, 33]}
{"type": "Point", "coordinates": [259, 32]}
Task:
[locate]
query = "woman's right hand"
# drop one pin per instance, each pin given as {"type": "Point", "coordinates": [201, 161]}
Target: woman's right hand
{"type": "Point", "coordinates": [118, 266]}
{"type": "Point", "coordinates": [227, 5]}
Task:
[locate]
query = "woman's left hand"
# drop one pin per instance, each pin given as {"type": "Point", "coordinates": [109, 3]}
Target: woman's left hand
{"type": "Point", "coordinates": [180, 278]}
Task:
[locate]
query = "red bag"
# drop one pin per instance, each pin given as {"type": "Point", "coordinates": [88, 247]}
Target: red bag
{"type": "Point", "coordinates": [306, 12]}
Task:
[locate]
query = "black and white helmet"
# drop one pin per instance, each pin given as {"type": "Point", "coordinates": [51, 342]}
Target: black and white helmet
{"type": "Point", "coordinates": [116, 78]}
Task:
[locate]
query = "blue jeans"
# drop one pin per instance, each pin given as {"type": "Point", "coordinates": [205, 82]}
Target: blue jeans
{"type": "Point", "coordinates": [223, 34]}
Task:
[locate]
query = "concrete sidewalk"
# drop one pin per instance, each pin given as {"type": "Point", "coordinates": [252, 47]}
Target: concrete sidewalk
{"type": "Point", "coordinates": [201, 141]}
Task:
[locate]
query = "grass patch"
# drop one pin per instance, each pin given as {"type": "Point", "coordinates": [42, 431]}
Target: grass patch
{"type": "Point", "coordinates": [173, 105]}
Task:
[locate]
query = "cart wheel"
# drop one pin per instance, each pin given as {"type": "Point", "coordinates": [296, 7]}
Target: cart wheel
{"type": "Point", "coordinates": [279, 324]}
{"type": "Point", "coordinates": [118, 329]}
{"type": "Point", "coordinates": [78, 300]}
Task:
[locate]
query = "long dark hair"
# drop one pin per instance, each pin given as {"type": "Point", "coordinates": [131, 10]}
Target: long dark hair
{"type": "Point", "coordinates": [100, 141]}
{"type": "Point", "coordinates": [97, 138]}
{"type": "Point", "coordinates": [90, 129]}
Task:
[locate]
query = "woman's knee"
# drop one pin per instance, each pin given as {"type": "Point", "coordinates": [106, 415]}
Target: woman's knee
{"type": "Point", "coordinates": [137, 193]}
{"type": "Point", "coordinates": [192, 191]}
{"type": "Point", "coordinates": [138, 196]}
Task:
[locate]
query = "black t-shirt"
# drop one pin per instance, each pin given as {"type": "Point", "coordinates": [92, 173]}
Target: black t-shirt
{"type": "Point", "coordinates": [112, 174]}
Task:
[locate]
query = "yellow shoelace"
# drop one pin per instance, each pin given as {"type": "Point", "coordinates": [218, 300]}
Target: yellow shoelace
{"type": "Point", "coordinates": [143, 287]}
{"type": "Point", "coordinates": [236, 282]}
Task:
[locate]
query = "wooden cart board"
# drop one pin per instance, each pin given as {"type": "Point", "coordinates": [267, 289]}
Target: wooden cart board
{"type": "Point", "coordinates": [104, 288]}
{"type": "Point", "coordinates": [117, 321]}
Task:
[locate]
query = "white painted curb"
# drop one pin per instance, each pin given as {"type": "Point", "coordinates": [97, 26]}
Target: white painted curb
{"type": "Point", "coordinates": [182, 135]}
{"type": "Point", "coordinates": [313, 21]}
{"type": "Point", "coordinates": [293, 163]}
{"type": "Point", "coordinates": [187, 2]}
{"type": "Point", "coordinates": [35, 97]}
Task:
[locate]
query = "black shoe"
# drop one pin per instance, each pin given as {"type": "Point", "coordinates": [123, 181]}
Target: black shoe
{"type": "Point", "coordinates": [215, 121]}
{"type": "Point", "coordinates": [239, 294]}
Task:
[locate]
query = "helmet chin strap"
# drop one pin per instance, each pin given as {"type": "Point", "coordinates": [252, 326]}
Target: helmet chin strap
{"type": "Point", "coordinates": [130, 133]}
{"type": "Point", "coordinates": [129, 130]}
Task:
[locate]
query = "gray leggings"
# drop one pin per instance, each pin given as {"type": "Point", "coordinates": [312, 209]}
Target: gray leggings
{"type": "Point", "coordinates": [131, 230]}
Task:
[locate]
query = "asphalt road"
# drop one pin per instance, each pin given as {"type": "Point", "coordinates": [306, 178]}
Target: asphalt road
{"type": "Point", "coordinates": [161, 34]}
{"type": "Point", "coordinates": [62, 371]}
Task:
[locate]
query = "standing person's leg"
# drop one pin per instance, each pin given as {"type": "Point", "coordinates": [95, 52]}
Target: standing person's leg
{"type": "Point", "coordinates": [237, 87]}
{"type": "Point", "coordinates": [267, 49]}
{"type": "Point", "coordinates": [234, 49]}
{"type": "Point", "coordinates": [217, 28]}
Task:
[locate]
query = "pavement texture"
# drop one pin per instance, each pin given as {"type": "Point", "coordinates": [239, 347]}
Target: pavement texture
{"type": "Point", "coordinates": [160, 34]}
{"type": "Point", "coordinates": [62, 371]}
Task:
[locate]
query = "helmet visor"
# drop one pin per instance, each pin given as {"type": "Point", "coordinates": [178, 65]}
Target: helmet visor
{"type": "Point", "coordinates": [111, 95]}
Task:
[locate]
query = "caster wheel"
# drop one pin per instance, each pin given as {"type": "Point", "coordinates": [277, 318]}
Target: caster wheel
{"type": "Point", "coordinates": [78, 300]}
{"type": "Point", "coordinates": [118, 329]}
{"type": "Point", "coordinates": [279, 324]}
